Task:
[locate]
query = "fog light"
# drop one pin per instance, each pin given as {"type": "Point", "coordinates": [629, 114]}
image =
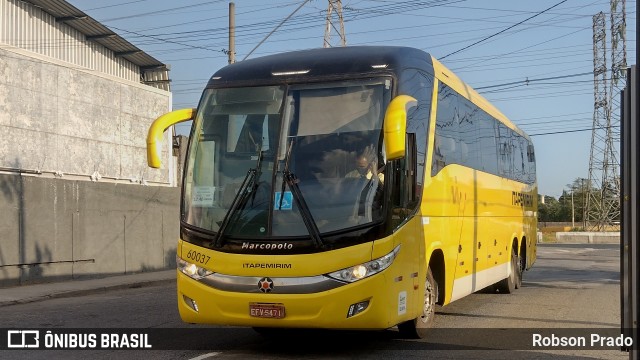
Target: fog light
{"type": "Point", "coordinates": [357, 308]}
{"type": "Point", "coordinates": [190, 302]}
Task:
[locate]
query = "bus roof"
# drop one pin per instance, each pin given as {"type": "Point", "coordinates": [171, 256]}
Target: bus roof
{"type": "Point", "coordinates": [301, 65]}
{"type": "Point", "coordinates": [326, 63]}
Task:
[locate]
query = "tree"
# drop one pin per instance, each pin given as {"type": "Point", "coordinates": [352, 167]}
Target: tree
{"type": "Point", "coordinates": [579, 188]}
{"type": "Point", "coordinates": [560, 210]}
{"type": "Point", "coordinates": [549, 210]}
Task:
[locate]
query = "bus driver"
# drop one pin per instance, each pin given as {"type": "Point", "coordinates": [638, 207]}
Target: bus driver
{"type": "Point", "coordinates": [366, 166]}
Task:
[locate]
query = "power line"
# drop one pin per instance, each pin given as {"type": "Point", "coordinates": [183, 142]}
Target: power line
{"type": "Point", "coordinates": [305, 19]}
{"type": "Point", "coordinates": [276, 28]}
{"type": "Point", "coordinates": [386, 10]}
{"type": "Point", "coordinates": [169, 41]}
{"type": "Point", "coordinates": [528, 81]}
{"type": "Point", "coordinates": [163, 11]}
{"type": "Point", "coordinates": [565, 132]}
{"type": "Point", "coordinates": [552, 20]}
{"type": "Point", "coordinates": [115, 5]}
{"type": "Point", "coordinates": [208, 19]}
{"type": "Point", "coordinates": [552, 116]}
{"type": "Point", "coordinates": [500, 32]}
{"type": "Point", "coordinates": [304, 23]}
{"type": "Point", "coordinates": [534, 45]}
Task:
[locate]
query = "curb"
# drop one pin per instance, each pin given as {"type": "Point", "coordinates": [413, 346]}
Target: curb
{"type": "Point", "coordinates": [86, 291]}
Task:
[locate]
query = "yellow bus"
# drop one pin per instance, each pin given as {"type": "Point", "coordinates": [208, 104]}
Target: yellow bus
{"type": "Point", "coordinates": [347, 188]}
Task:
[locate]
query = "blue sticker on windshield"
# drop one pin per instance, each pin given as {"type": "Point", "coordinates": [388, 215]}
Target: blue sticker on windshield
{"type": "Point", "coordinates": [287, 201]}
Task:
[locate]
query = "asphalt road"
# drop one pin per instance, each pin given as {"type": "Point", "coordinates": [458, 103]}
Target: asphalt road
{"type": "Point", "coordinates": [570, 286]}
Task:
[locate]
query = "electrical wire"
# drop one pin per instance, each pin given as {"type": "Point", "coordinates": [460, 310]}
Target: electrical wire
{"type": "Point", "coordinates": [392, 8]}
{"type": "Point", "coordinates": [502, 31]}
{"type": "Point", "coordinates": [529, 81]}
{"type": "Point", "coordinates": [570, 131]}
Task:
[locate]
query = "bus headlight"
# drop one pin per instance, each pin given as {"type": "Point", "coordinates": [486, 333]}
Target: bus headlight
{"type": "Point", "coordinates": [192, 270]}
{"type": "Point", "coordinates": [367, 269]}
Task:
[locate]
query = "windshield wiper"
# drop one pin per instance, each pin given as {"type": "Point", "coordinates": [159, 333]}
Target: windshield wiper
{"type": "Point", "coordinates": [248, 186]}
{"type": "Point", "coordinates": [256, 176]}
{"type": "Point", "coordinates": [290, 179]}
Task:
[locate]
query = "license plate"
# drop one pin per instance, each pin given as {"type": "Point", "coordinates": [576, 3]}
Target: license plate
{"type": "Point", "coordinates": [262, 310]}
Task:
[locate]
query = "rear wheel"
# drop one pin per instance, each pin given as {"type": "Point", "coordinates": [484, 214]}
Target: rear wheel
{"type": "Point", "coordinates": [519, 272]}
{"type": "Point", "coordinates": [508, 285]}
{"type": "Point", "coordinates": [417, 328]}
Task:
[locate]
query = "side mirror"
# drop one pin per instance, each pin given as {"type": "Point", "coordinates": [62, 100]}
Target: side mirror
{"type": "Point", "coordinates": [395, 126]}
{"type": "Point", "coordinates": [157, 129]}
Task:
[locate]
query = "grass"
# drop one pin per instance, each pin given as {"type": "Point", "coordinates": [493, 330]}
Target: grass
{"type": "Point", "coordinates": [548, 237]}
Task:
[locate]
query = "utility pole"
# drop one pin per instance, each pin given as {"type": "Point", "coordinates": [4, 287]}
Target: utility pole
{"type": "Point", "coordinates": [573, 212]}
{"type": "Point", "coordinates": [232, 33]}
{"type": "Point", "coordinates": [334, 5]}
{"type": "Point", "coordinates": [584, 205]}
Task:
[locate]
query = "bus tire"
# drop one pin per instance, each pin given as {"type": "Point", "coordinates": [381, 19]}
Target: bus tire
{"type": "Point", "coordinates": [418, 327]}
{"type": "Point", "coordinates": [508, 285]}
{"type": "Point", "coordinates": [519, 272]}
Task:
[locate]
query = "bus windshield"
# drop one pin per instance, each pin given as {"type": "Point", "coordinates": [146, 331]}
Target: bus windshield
{"type": "Point", "coordinates": [282, 161]}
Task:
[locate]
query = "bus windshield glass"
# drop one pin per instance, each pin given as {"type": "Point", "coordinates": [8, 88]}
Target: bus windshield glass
{"type": "Point", "coordinates": [276, 161]}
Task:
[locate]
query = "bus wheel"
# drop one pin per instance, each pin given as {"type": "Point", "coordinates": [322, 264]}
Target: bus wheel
{"type": "Point", "coordinates": [508, 285]}
{"type": "Point", "coordinates": [519, 272]}
{"type": "Point", "coordinates": [417, 328]}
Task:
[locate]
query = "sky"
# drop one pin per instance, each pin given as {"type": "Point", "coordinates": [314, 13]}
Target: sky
{"type": "Point", "coordinates": [532, 59]}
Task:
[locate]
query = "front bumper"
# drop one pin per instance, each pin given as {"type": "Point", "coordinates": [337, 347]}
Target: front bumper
{"type": "Point", "coordinates": [324, 309]}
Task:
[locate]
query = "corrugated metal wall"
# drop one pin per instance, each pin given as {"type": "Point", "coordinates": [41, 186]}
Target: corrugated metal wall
{"type": "Point", "coordinates": [27, 27]}
{"type": "Point", "coordinates": [157, 78]}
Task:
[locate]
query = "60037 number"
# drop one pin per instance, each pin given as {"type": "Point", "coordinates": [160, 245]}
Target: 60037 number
{"type": "Point", "coordinates": [198, 257]}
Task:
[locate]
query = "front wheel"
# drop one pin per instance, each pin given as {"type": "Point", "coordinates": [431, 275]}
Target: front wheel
{"type": "Point", "coordinates": [417, 328]}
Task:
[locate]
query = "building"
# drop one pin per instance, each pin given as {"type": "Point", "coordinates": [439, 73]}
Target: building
{"type": "Point", "coordinates": [76, 100]}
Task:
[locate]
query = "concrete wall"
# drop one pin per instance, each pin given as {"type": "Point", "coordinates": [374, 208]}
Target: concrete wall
{"type": "Point", "coordinates": [71, 122]}
{"type": "Point", "coordinates": [54, 229]}
{"type": "Point", "coordinates": [575, 237]}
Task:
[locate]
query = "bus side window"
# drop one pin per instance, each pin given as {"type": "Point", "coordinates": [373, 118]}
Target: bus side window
{"type": "Point", "coordinates": [406, 195]}
{"type": "Point", "coordinates": [487, 128]}
{"type": "Point", "coordinates": [505, 151]}
{"type": "Point", "coordinates": [452, 120]}
{"type": "Point", "coordinates": [419, 85]}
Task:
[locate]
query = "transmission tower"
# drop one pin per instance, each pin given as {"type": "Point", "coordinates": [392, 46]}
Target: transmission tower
{"type": "Point", "coordinates": [597, 207]}
{"type": "Point", "coordinates": [334, 6]}
{"type": "Point", "coordinates": [603, 201]}
{"type": "Point", "coordinates": [617, 84]}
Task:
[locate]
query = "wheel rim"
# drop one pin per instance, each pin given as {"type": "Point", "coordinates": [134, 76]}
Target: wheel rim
{"type": "Point", "coordinates": [429, 302]}
{"type": "Point", "coordinates": [520, 263]}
